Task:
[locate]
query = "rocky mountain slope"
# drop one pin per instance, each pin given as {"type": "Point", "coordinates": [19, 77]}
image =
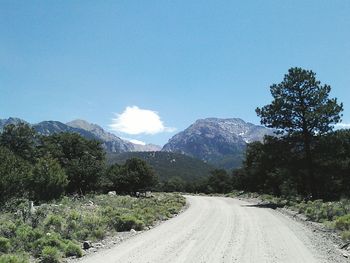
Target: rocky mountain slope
{"type": "Point", "coordinates": [221, 142]}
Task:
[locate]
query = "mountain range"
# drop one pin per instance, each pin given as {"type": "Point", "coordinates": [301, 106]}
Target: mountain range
{"type": "Point", "coordinates": [110, 142]}
{"type": "Point", "coordinates": [218, 142]}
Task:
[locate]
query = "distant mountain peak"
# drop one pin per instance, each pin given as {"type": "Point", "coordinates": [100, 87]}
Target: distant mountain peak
{"type": "Point", "coordinates": [82, 124]}
{"type": "Point", "coordinates": [10, 120]}
{"type": "Point", "coordinates": [221, 142]}
{"type": "Point", "coordinates": [110, 137]}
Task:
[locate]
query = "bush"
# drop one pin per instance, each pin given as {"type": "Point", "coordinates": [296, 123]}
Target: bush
{"type": "Point", "coordinates": [73, 250]}
{"type": "Point", "coordinates": [4, 245]}
{"type": "Point", "coordinates": [343, 222]}
{"type": "Point", "coordinates": [98, 233]}
{"type": "Point", "coordinates": [53, 240]}
{"type": "Point", "coordinates": [10, 258]}
{"type": "Point", "coordinates": [50, 255]}
{"type": "Point", "coordinates": [26, 236]}
{"type": "Point", "coordinates": [346, 235]}
{"type": "Point", "coordinates": [54, 222]}
{"type": "Point", "coordinates": [7, 229]}
{"type": "Point", "coordinates": [129, 222]}
{"type": "Point", "coordinates": [54, 229]}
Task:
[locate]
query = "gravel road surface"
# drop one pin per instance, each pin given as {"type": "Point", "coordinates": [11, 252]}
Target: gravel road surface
{"type": "Point", "coordinates": [218, 229]}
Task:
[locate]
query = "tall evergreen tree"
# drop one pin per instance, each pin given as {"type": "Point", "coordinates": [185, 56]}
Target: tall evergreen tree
{"type": "Point", "coordinates": [300, 110]}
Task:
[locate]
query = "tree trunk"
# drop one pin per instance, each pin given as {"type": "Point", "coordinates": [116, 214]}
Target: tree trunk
{"type": "Point", "coordinates": [310, 180]}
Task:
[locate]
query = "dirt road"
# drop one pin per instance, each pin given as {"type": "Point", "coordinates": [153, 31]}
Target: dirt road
{"type": "Point", "coordinates": [217, 229]}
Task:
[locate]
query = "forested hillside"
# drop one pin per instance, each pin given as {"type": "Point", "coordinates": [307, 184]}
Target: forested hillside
{"type": "Point", "coordinates": [167, 164]}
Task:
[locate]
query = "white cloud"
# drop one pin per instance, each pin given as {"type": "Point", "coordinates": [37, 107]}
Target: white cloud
{"type": "Point", "coordinates": [342, 126]}
{"type": "Point", "coordinates": [134, 120]}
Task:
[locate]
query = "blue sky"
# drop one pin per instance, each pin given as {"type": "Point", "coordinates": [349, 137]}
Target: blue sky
{"type": "Point", "coordinates": [177, 61]}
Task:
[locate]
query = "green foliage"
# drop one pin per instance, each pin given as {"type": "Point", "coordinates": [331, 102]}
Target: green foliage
{"type": "Point", "coordinates": [4, 245]}
{"type": "Point", "coordinates": [21, 139]}
{"type": "Point", "coordinates": [55, 230]}
{"type": "Point", "coordinates": [73, 250]}
{"type": "Point", "coordinates": [343, 222]}
{"type": "Point", "coordinates": [43, 168]}
{"type": "Point", "coordinates": [174, 184]}
{"type": "Point", "coordinates": [50, 255]}
{"type": "Point", "coordinates": [128, 222]}
{"type": "Point", "coordinates": [133, 176]}
{"type": "Point", "coordinates": [301, 110]}
{"type": "Point", "coordinates": [14, 175]}
{"type": "Point", "coordinates": [346, 235]}
{"type": "Point", "coordinates": [219, 182]}
{"type": "Point", "coordinates": [11, 258]}
{"type": "Point", "coordinates": [277, 167]}
{"type": "Point", "coordinates": [167, 165]}
{"type": "Point", "coordinates": [300, 105]}
{"type": "Point", "coordinates": [82, 159]}
{"type": "Point", "coordinates": [48, 180]}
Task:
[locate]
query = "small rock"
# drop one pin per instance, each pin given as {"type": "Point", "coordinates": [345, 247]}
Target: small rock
{"type": "Point", "coordinates": [87, 244]}
{"type": "Point", "coordinates": [98, 245]}
{"type": "Point", "coordinates": [133, 231]}
{"type": "Point", "coordinates": [345, 255]}
{"type": "Point", "coordinates": [112, 193]}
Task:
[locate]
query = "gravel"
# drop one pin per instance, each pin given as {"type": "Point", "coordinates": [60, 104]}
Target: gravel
{"type": "Point", "coordinates": [219, 229]}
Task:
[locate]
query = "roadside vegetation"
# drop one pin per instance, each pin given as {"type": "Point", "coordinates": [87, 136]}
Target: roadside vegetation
{"type": "Point", "coordinates": [333, 214]}
{"type": "Point", "coordinates": [53, 195]}
{"type": "Point", "coordinates": [54, 230]}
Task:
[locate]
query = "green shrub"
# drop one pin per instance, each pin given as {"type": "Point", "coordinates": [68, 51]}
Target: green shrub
{"type": "Point", "coordinates": [346, 235]}
{"type": "Point", "coordinates": [7, 229]}
{"type": "Point", "coordinates": [10, 258]}
{"type": "Point", "coordinates": [129, 222]}
{"type": "Point", "coordinates": [343, 222]}
{"type": "Point", "coordinates": [53, 240]}
{"type": "Point", "coordinates": [73, 250]}
{"type": "Point", "coordinates": [26, 236]}
{"type": "Point", "coordinates": [98, 233]}
{"type": "Point", "coordinates": [91, 221]}
{"type": "Point", "coordinates": [50, 255]}
{"type": "Point", "coordinates": [82, 234]}
{"type": "Point", "coordinates": [54, 222]}
{"type": "Point", "coordinates": [4, 245]}
{"type": "Point", "coordinates": [53, 230]}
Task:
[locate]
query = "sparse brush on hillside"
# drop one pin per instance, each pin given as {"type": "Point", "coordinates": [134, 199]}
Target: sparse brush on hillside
{"type": "Point", "coordinates": [56, 230]}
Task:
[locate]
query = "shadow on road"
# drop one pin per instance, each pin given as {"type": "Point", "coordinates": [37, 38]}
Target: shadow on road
{"type": "Point", "coordinates": [264, 205]}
